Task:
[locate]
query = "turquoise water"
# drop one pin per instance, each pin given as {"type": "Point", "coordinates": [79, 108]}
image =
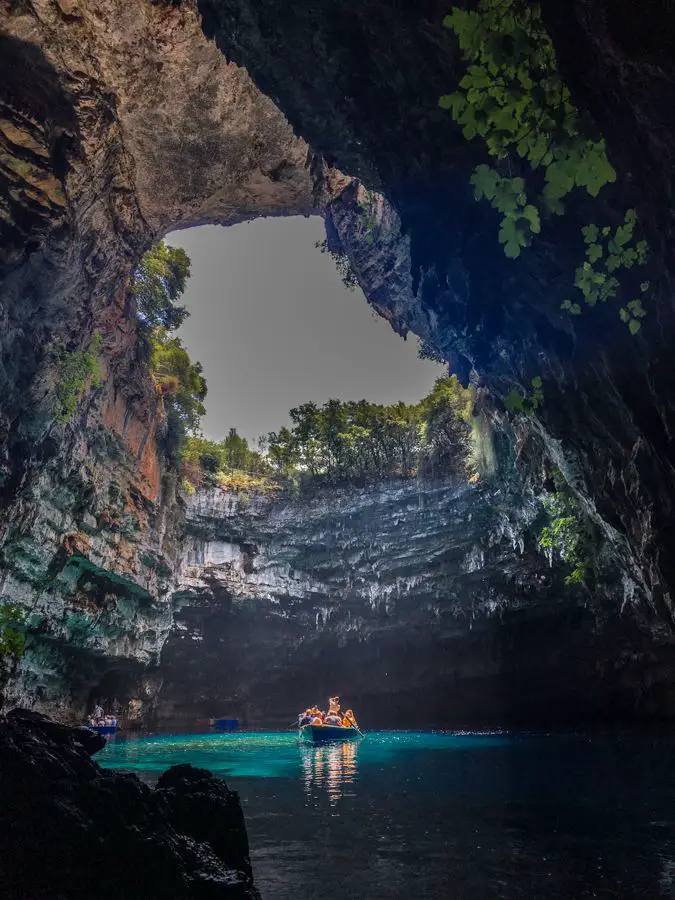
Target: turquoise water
{"type": "Point", "coordinates": [433, 815]}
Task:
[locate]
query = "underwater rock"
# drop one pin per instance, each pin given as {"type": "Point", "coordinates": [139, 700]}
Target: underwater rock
{"type": "Point", "coordinates": [69, 829]}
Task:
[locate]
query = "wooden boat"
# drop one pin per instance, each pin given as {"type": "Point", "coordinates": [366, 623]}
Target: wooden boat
{"type": "Point", "coordinates": [322, 734]}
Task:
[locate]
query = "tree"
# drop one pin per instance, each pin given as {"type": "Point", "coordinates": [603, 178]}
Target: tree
{"type": "Point", "coordinates": [447, 412]}
{"type": "Point", "coordinates": [158, 282]}
{"type": "Point", "coordinates": [347, 441]}
{"type": "Point", "coordinates": [182, 384]}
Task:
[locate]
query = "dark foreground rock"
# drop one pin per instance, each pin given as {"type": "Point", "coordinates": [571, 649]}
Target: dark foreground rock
{"type": "Point", "coordinates": [69, 829]}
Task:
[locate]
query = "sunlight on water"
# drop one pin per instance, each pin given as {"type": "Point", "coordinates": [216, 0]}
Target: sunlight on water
{"type": "Point", "coordinates": [431, 815]}
{"type": "Point", "coordinates": [329, 768]}
{"type": "Point", "coordinates": [278, 754]}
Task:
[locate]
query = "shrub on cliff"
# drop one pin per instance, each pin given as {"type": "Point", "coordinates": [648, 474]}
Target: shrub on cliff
{"type": "Point", "coordinates": [157, 284]}
{"type": "Point", "coordinates": [11, 638]}
{"type": "Point", "coordinates": [231, 463]}
{"type": "Point", "coordinates": [76, 369]}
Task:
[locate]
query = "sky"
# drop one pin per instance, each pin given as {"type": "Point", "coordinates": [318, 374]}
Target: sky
{"type": "Point", "coordinates": [274, 327]}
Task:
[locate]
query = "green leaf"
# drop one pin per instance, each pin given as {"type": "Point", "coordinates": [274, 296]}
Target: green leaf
{"type": "Point", "coordinates": [531, 213]}
{"type": "Point", "coordinates": [590, 233]}
{"type": "Point", "coordinates": [594, 252]}
{"type": "Point", "coordinates": [624, 314]}
{"type": "Point", "coordinates": [644, 286]}
{"type": "Point", "coordinates": [634, 326]}
{"type": "Point", "coordinates": [485, 182]}
{"type": "Point", "coordinates": [514, 402]}
{"type": "Point", "coordinates": [575, 309]}
{"type": "Point", "coordinates": [536, 381]}
{"type": "Point", "coordinates": [456, 103]}
{"type": "Point", "coordinates": [513, 238]}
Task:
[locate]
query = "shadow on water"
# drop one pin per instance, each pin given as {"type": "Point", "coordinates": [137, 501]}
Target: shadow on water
{"type": "Point", "coordinates": [430, 815]}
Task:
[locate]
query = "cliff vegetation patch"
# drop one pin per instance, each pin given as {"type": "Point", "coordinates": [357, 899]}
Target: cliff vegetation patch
{"type": "Point", "coordinates": [513, 98]}
{"type": "Point", "coordinates": [343, 442]}
{"type": "Point", "coordinates": [76, 371]}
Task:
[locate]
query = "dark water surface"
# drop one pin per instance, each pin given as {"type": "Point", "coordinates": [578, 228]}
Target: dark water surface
{"type": "Point", "coordinates": [430, 815]}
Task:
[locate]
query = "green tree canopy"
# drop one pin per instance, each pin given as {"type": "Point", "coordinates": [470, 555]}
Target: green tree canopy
{"type": "Point", "coordinates": [342, 441]}
{"type": "Point", "coordinates": [205, 458]}
{"type": "Point", "coordinates": [158, 283]}
{"type": "Point", "coordinates": [182, 384]}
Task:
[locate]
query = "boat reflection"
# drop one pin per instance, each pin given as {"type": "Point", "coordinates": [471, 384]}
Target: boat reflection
{"type": "Point", "coordinates": [329, 768]}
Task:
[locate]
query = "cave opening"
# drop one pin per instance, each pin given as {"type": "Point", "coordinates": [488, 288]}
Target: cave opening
{"type": "Point", "coordinates": [274, 326]}
{"type": "Point", "coordinates": [498, 176]}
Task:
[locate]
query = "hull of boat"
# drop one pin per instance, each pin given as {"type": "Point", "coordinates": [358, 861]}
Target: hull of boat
{"type": "Point", "coordinates": [324, 734]}
{"type": "Point", "coordinates": [103, 729]}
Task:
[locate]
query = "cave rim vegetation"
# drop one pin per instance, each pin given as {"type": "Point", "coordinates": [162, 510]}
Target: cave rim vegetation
{"type": "Point", "coordinates": [485, 575]}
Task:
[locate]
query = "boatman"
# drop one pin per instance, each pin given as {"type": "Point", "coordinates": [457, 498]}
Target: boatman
{"type": "Point", "coordinates": [333, 706]}
{"type": "Point", "coordinates": [349, 720]}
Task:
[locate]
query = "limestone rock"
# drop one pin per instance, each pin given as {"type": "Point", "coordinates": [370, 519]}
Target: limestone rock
{"type": "Point", "coordinates": [68, 828]}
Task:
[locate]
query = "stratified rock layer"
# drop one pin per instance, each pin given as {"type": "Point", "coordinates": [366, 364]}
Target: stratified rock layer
{"type": "Point", "coordinates": [69, 829]}
{"type": "Point", "coordinates": [120, 122]}
{"type": "Point", "coordinates": [117, 123]}
{"type": "Point", "coordinates": [361, 81]}
{"type": "Point", "coordinates": [419, 602]}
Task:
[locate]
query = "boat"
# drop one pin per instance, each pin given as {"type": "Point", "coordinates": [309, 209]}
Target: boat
{"type": "Point", "coordinates": [104, 729]}
{"type": "Point", "coordinates": [323, 734]}
{"type": "Point", "coordinates": [225, 724]}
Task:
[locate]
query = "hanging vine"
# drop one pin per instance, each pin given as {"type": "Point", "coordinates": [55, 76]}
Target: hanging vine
{"type": "Point", "coordinates": [512, 97]}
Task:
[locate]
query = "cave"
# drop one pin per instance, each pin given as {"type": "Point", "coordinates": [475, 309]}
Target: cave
{"type": "Point", "coordinates": [544, 285]}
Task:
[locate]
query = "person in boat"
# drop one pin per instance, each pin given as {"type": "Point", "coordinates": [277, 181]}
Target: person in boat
{"type": "Point", "coordinates": [332, 719]}
{"type": "Point", "coordinates": [333, 706]}
{"type": "Point", "coordinates": [98, 712]}
{"type": "Point", "coordinates": [349, 720]}
{"type": "Point", "coordinates": [305, 718]}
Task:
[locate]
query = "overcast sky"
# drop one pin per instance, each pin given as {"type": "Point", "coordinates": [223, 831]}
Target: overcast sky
{"type": "Point", "coordinates": [274, 327]}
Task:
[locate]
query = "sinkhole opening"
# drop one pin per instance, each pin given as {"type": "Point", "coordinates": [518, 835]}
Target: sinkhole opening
{"type": "Point", "coordinates": [273, 366]}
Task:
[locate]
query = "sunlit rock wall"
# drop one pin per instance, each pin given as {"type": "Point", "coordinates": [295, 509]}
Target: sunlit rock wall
{"type": "Point", "coordinates": [419, 602]}
{"type": "Point", "coordinates": [361, 81]}
{"type": "Point", "coordinates": [88, 552]}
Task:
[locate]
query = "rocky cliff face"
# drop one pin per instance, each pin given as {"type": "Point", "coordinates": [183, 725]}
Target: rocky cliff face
{"type": "Point", "coordinates": [118, 124]}
{"type": "Point", "coordinates": [89, 549]}
{"type": "Point", "coordinates": [419, 602]}
{"type": "Point", "coordinates": [371, 107]}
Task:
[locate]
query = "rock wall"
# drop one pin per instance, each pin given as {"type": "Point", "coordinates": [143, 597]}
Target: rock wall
{"type": "Point", "coordinates": [118, 123]}
{"type": "Point", "coordinates": [421, 603]}
{"type": "Point", "coordinates": [89, 548]}
{"type": "Point", "coordinates": [370, 106]}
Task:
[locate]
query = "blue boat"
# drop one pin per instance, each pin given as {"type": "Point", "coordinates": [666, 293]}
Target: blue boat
{"type": "Point", "coordinates": [225, 724]}
{"type": "Point", "coordinates": [324, 734]}
{"type": "Point", "coordinates": [103, 729]}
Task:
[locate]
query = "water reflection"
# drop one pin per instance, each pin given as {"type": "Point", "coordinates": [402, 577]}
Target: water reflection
{"type": "Point", "coordinates": [329, 768]}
